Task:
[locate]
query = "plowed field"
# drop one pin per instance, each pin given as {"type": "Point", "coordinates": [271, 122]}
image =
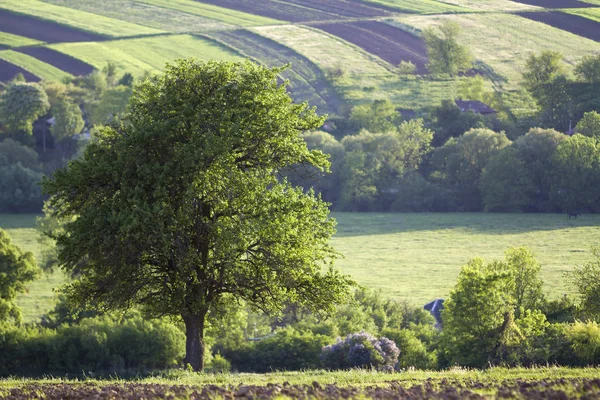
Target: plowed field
{"type": "Point", "coordinates": [58, 59]}
{"type": "Point", "coordinates": [342, 8]}
{"type": "Point", "coordinates": [385, 41]}
{"type": "Point", "coordinates": [9, 70]}
{"type": "Point", "coordinates": [555, 3]}
{"type": "Point", "coordinates": [42, 30]}
{"type": "Point", "coordinates": [567, 22]}
{"type": "Point", "coordinates": [307, 82]}
{"type": "Point", "coordinates": [444, 389]}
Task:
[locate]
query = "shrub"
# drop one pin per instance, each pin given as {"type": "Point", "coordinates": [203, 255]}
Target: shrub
{"type": "Point", "coordinates": [414, 351]}
{"type": "Point", "coordinates": [19, 189]}
{"type": "Point", "coordinates": [407, 68]}
{"type": "Point", "coordinates": [360, 350]}
{"type": "Point", "coordinates": [219, 364]}
{"type": "Point", "coordinates": [585, 341]}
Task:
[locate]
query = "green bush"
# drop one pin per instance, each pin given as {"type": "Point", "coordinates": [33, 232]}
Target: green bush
{"type": "Point", "coordinates": [585, 341]}
{"type": "Point", "coordinates": [19, 189]}
{"type": "Point", "coordinates": [413, 352]}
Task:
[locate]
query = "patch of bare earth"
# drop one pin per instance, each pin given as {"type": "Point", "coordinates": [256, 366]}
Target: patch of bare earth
{"type": "Point", "coordinates": [9, 70]}
{"type": "Point", "coordinates": [575, 24]}
{"type": "Point", "coordinates": [59, 60]}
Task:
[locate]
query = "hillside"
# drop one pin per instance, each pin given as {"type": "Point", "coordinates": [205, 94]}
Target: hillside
{"type": "Point", "coordinates": [342, 52]}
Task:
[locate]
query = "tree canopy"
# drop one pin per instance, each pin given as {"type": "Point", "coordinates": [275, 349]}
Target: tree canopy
{"type": "Point", "coordinates": [181, 205]}
{"type": "Point", "coordinates": [446, 55]}
{"type": "Point", "coordinates": [21, 104]}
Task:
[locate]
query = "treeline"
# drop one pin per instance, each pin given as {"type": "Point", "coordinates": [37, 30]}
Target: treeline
{"type": "Point", "coordinates": [496, 314]}
{"type": "Point", "coordinates": [455, 160]}
{"type": "Point", "coordinates": [44, 125]}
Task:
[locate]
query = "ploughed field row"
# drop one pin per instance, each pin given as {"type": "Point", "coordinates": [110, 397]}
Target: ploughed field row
{"type": "Point", "coordinates": [9, 70]}
{"type": "Point", "coordinates": [567, 22]}
{"type": "Point", "coordinates": [303, 10]}
{"type": "Point", "coordinates": [307, 82]}
{"type": "Point", "coordinates": [385, 41]}
{"type": "Point", "coordinates": [45, 31]}
{"type": "Point", "coordinates": [444, 389]}
{"type": "Point", "coordinates": [61, 61]}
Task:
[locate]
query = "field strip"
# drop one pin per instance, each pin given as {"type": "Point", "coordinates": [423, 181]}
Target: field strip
{"type": "Point", "coordinates": [492, 5]}
{"type": "Point", "coordinates": [306, 81]}
{"type": "Point", "coordinates": [574, 24]}
{"type": "Point", "coordinates": [9, 70]}
{"type": "Point", "coordinates": [84, 21]}
{"type": "Point", "coordinates": [274, 9]}
{"type": "Point", "coordinates": [357, 9]}
{"type": "Point", "coordinates": [590, 13]}
{"type": "Point", "coordinates": [555, 3]}
{"type": "Point", "coordinates": [418, 6]}
{"type": "Point", "coordinates": [217, 13]}
{"type": "Point", "coordinates": [385, 41]}
{"type": "Point", "coordinates": [326, 51]}
{"type": "Point", "coordinates": [10, 40]}
{"type": "Point", "coordinates": [142, 55]}
{"type": "Point", "coordinates": [60, 60]}
{"type": "Point", "coordinates": [153, 16]}
{"type": "Point", "coordinates": [33, 65]}
{"type": "Point", "coordinates": [504, 41]}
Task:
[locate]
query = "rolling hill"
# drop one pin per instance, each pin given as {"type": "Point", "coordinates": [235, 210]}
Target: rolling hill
{"type": "Point", "coordinates": [342, 52]}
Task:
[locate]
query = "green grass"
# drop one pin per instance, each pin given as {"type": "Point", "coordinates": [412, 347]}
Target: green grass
{"type": "Point", "coordinates": [417, 257]}
{"type": "Point", "coordinates": [8, 39]}
{"type": "Point", "coordinates": [154, 16]}
{"type": "Point", "coordinates": [504, 41]}
{"type": "Point", "coordinates": [589, 13]}
{"type": "Point", "coordinates": [491, 5]}
{"type": "Point", "coordinates": [420, 6]}
{"type": "Point", "coordinates": [33, 65]}
{"type": "Point", "coordinates": [40, 295]}
{"type": "Point", "coordinates": [142, 55]}
{"type": "Point", "coordinates": [77, 19]}
{"type": "Point", "coordinates": [217, 13]}
{"type": "Point", "coordinates": [365, 77]}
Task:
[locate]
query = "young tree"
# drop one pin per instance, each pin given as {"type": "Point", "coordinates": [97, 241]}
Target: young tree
{"type": "Point", "coordinates": [446, 55]}
{"type": "Point", "coordinates": [588, 69]}
{"type": "Point", "coordinates": [17, 268]}
{"type": "Point", "coordinates": [181, 204]}
{"type": "Point", "coordinates": [21, 104]}
{"type": "Point", "coordinates": [589, 125]}
{"type": "Point", "coordinates": [68, 120]}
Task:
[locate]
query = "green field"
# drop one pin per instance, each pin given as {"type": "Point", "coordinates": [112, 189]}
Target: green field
{"type": "Point", "coordinates": [142, 55]}
{"type": "Point", "coordinates": [33, 65]}
{"type": "Point", "coordinates": [421, 6]}
{"type": "Point", "coordinates": [589, 13]}
{"type": "Point", "coordinates": [413, 257]}
{"type": "Point", "coordinates": [7, 39]}
{"type": "Point", "coordinates": [78, 19]}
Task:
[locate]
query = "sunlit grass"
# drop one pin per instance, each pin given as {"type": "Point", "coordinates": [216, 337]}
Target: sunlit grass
{"type": "Point", "coordinates": [8, 39]}
{"type": "Point", "coordinates": [33, 65]}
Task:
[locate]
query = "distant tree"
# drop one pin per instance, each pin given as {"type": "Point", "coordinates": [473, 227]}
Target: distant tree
{"type": "Point", "coordinates": [586, 278]}
{"type": "Point", "coordinates": [17, 268]}
{"type": "Point", "coordinates": [110, 105]}
{"type": "Point", "coordinates": [446, 55]}
{"type": "Point", "coordinates": [460, 163]}
{"type": "Point", "coordinates": [589, 125]}
{"type": "Point", "coordinates": [20, 105]}
{"type": "Point", "coordinates": [575, 172]}
{"type": "Point", "coordinates": [126, 80]}
{"type": "Point", "coordinates": [12, 152]}
{"type": "Point", "coordinates": [542, 69]}
{"type": "Point", "coordinates": [68, 119]}
{"type": "Point", "coordinates": [180, 206]}
{"type": "Point", "coordinates": [588, 69]}
{"type": "Point", "coordinates": [19, 189]}
{"type": "Point", "coordinates": [378, 117]}
{"type": "Point", "coordinates": [451, 122]}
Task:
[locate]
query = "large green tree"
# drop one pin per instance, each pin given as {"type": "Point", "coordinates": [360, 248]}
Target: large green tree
{"type": "Point", "coordinates": [20, 105]}
{"type": "Point", "coordinates": [17, 268]}
{"type": "Point", "coordinates": [180, 206]}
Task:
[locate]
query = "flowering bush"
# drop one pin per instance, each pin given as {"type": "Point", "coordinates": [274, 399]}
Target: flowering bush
{"type": "Point", "coordinates": [360, 350]}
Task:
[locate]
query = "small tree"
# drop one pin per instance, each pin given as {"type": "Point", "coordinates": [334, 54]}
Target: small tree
{"type": "Point", "coordinates": [586, 278]}
{"type": "Point", "coordinates": [21, 104]}
{"type": "Point", "coordinates": [588, 69]}
{"type": "Point", "coordinates": [446, 55]}
{"type": "Point", "coordinates": [181, 205]}
{"type": "Point", "coordinates": [589, 125]}
{"type": "Point", "coordinates": [68, 119]}
{"type": "Point", "coordinates": [17, 268]}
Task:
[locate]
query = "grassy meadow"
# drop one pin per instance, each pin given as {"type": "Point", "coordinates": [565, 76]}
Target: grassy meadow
{"type": "Point", "coordinates": [10, 40]}
{"type": "Point", "coordinates": [33, 65]}
{"type": "Point", "coordinates": [413, 257]}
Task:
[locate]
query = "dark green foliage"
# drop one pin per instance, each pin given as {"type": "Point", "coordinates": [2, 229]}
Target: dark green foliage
{"type": "Point", "coordinates": [286, 350]}
{"type": "Point", "coordinates": [586, 278]}
{"type": "Point", "coordinates": [68, 119]}
{"type": "Point", "coordinates": [97, 345]}
{"type": "Point", "coordinates": [19, 189]}
{"type": "Point", "coordinates": [588, 69]}
{"type": "Point", "coordinates": [451, 122]}
{"type": "Point", "coordinates": [589, 125]}
{"type": "Point", "coordinates": [380, 117]}
{"type": "Point", "coordinates": [20, 105]}
{"type": "Point", "coordinates": [414, 353]}
{"type": "Point", "coordinates": [17, 268]}
{"type": "Point", "coordinates": [12, 152]}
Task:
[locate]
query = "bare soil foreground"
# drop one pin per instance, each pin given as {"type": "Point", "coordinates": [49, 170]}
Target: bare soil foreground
{"type": "Point", "coordinates": [385, 41]}
{"type": "Point", "coordinates": [567, 22]}
{"type": "Point", "coordinates": [444, 389]}
{"type": "Point", "coordinates": [307, 82]}
{"type": "Point", "coordinates": [59, 60]}
{"type": "Point", "coordinates": [42, 30]}
{"type": "Point", "coordinates": [9, 70]}
{"type": "Point", "coordinates": [302, 10]}
{"type": "Point", "coordinates": [556, 3]}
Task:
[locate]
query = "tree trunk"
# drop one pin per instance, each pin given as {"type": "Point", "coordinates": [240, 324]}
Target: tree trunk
{"type": "Point", "coordinates": [194, 340]}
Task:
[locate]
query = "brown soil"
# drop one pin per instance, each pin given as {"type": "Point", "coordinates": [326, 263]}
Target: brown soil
{"type": "Point", "coordinates": [272, 9]}
{"type": "Point", "coordinates": [443, 389]}
{"type": "Point", "coordinates": [59, 60]}
{"type": "Point", "coordinates": [385, 41]}
{"type": "Point", "coordinates": [8, 71]}
{"type": "Point", "coordinates": [567, 22]}
{"type": "Point", "coordinates": [39, 29]}
{"type": "Point", "coordinates": [556, 3]}
{"type": "Point", "coordinates": [342, 8]}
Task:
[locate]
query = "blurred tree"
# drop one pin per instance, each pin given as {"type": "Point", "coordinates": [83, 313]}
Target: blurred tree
{"type": "Point", "coordinates": [20, 105]}
{"type": "Point", "coordinates": [446, 55]}
{"type": "Point", "coordinates": [588, 69]}
{"type": "Point", "coordinates": [68, 120]}
{"type": "Point", "coordinates": [589, 125]}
